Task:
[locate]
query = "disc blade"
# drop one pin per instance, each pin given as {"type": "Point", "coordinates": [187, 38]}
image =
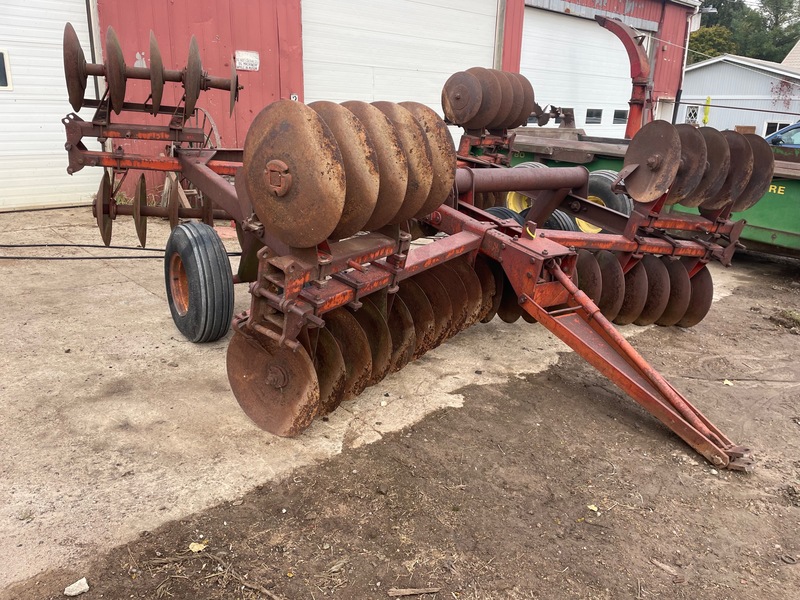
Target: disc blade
{"type": "Point", "coordinates": [459, 299]}
{"type": "Point", "coordinates": [174, 204]}
{"type": "Point", "coordinates": [234, 91]}
{"type": "Point", "coordinates": [506, 100]}
{"type": "Point", "coordinates": [613, 288]}
{"type": "Point", "coordinates": [294, 173]}
{"type": "Point", "coordinates": [140, 200]}
{"type": "Point", "coordinates": [590, 278]}
{"type": "Point", "coordinates": [680, 293]}
{"type": "Point", "coordinates": [718, 163]}
{"type": "Point", "coordinates": [102, 206]}
{"type": "Point", "coordinates": [360, 166]}
{"type": "Point", "coordinates": [401, 327]}
{"type": "Point", "coordinates": [702, 296]}
{"type": "Point", "coordinates": [657, 290]}
{"type": "Point", "coordinates": [509, 310]}
{"type": "Point", "coordinates": [414, 143]}
{"type": "Point", "coordinates": [490, 98]}
{"type": "Point", "coordinates": [517, 101]}
{"type": "Point", "coordinates": [499, 277]}
{"type": "Point", "coordinates": [420, 308]}
{"type": "Point", "coordinates": [380, 338]}
{"type": "Point", "coordinates": [472, 284]}
{"type": "Point", "coordinates": [276, 387]}
{"type": "Point", "coordinates": [461, 97]}
{"type": "Point", "coordinates": [440, 304]}
{"type": "Point", "coordinates": [635, 295]}
{"type": "Point", "coordinates": [355, 349]}
{"type": "Point", "coordinates": [656, 148]}
{"type": "Point", "coordinates": [331, 372]}
{"type": "Point", "coordinates": [192, 78]}
{"type": "Point", "coordinates": [488, 288]}
{"type": "Point", "coordinates": [694, 157]}
{"type": "Point", "coordinates": [115, 71]}
{"type": "Point", "coordinates": [760, 180]}
{"type": "Point", "coordinates": [156, 74]}
{"type": "Point", "coordinates": [739, 174]}
{"type": "Point", "coordinates": [74, 67]}
{"type": "Point", "coordinates": [528, 101]}
{"type": "Point", "coordinates": [392, 163]}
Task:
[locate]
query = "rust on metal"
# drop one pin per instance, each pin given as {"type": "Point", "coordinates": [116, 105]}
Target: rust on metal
{"type": "Point", "coordinates": [656, 153]}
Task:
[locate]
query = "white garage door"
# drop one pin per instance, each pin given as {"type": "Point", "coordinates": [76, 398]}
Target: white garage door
{"type": "Point", "coordinates": [393, 50]}
{"type": "Point", "coordinates": [573, 62]}
{"type": "Point", "coordinates": [33, 162]}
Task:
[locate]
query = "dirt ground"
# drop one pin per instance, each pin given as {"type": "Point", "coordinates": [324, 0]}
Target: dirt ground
{"type": "Point", "coordinates": [530, 476]}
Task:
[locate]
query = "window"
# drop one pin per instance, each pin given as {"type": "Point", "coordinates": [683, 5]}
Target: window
{"type": "Point", "coordinates": [691, 114]}
{"type": "Point", "coordinates": [594, 116]}
{"type": "Point", "coordinates": [620, 117]}
{"type": "Point", "coordinates": [5, 72]}
{"type": "Point", "coordinates": [773, 126]}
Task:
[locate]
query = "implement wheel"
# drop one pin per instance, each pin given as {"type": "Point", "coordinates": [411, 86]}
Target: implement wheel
{"type": "Point", "coordinates": [199, 283]}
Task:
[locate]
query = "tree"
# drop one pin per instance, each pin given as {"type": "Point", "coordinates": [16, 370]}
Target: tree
{"type": "Point", "coordinates": [708, 42]}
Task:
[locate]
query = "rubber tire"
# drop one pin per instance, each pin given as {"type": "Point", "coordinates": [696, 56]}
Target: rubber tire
{"type": "Point", "coordinates": [561, 221]}
{"type": "Point", "coordinates": [208, 278]}
{"type": "Point", "coordinates": [600, 186]}
{"type": "Point", "coordinates": [501, 212]}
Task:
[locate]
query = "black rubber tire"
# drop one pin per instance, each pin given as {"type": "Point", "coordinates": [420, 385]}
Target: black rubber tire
{"type": "Point", "coordinates": [600, 186]}
{"type": "Point", "coordinates": [561, 221]}
{"type": "Point", "coordinates": [199, 282]}
{"type": "Point", "coordinates": [501, 212]}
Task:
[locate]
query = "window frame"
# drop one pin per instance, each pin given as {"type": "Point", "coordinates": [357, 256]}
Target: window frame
{"type": "Point", "coordinates": [591, 120]}
{"type": "Point", "coordinates": [7, 66]}
{"type": "Point", "coordinates": [620, 120]}
{"type": "Point", "coordinates": [692, 108]}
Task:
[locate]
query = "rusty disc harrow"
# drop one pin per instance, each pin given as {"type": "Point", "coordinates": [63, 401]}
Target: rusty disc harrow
{"type": "Point", "coordinates": [656, 149]}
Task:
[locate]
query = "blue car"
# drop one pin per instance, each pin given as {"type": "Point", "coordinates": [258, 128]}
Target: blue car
{"type": "Point", "coordinates": [788, 137]}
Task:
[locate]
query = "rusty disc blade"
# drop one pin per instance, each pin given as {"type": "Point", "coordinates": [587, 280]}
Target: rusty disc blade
{"type": "Point", "coordinates": [331, 372]}
{"type": "Point", "coordinates": [490, 99]}
{"type": "Point", "coordinates": [380, 338]}
{"type": "Point", "coordinates": [506, 100]}
{"type": "Point", "coordinates": [102, 206]}
{"type": "Point", "coordinates": [392, 163]}
{"type": "Point", "coordinates": [294, 173]}
{"type": "Point", "coordinates": [174, 204]}
{"type": "Point", "coordinates": [74, 67]}
{"type": "Point", "coordinates": [360, 166]}
{"type": "Point", "coordinates": [517, 102]}
{"type": "Point", "coordinates": [590, 278]}
{"type": "Point", "coordinates": [192, 78]}
{"type": "Point", "coordinates": [479, 200]}
{"type": "Point", "coordinates": [701, 297]}
{"type": "Point", "coordinates": [739, 174]}
{"type": "Point", "coordinates": [440, 304]}
{"type": "Point", "coordinates": [461, 97]}
{"type": "Point", "coordinates": [613, 288]}
{"type": "Point", "coordinates": [404, 341]}
{"type": "Point", "coordinates": [116, 77]}
{"type": "Point", "coordinates": [421, 310]}
{"type": "Point", "coordinates": [472, 284]}
{"type": "Point", "coordinates": [414, 143]}
{"type": "Point", "coordinates": [443, 155]}
{"type": "Point", "coordinates": [488, 288]}
{"type": "Point", "coordinates": [763, 169]}
{"type": "Point", "coordinates": [234, 93]}
{"type": "Point", "coordinates": [635, 296]}
{"type": "Point", "coordinates": [156, 74]}
{"type": "Point", "coordinates": [656, 148]}
{"type": "Point", "coordinates": [509, 310]}
{"type": "Point", "coordinates": [718, 163]}
{"type": "Point", "coordinates": [459, 298]}
{"type": "Point", "coordinates": [140, 200]}
{"type": "Point", "coordinates": [355, 349]}
{"type": "Point", "coordinates": [680, 293]}
{"type": "Point", "coordinates": [498, 277]}
{"type": "Point", "coordinates": [657, 290]}
{"type": "Point", "coordinates": [276, 387]}
{"type": "Point", "coordinates": [694, 158]}
{"type": "Point", "coordinates": [528, 102]}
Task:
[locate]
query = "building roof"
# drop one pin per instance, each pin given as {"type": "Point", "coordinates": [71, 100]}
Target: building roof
{"type": "Point", "coordinates": [779, 69]}
{"type": "Point", "coordinates": [792, 59]}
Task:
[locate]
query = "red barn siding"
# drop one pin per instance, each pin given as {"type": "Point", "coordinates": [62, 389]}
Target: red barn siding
{"type": "Point", "coordinates": [669, 53]}
{"type": "Point", "coordinates": [512, 35]}
{"type": "Point", "coordinates": [649, 10]}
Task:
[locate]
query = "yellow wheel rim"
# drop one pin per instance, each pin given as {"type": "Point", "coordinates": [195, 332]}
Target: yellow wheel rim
{"type": "Point", "coordinates": [517, 202]}
{"type": "Point", "coordinates": [585, 226]}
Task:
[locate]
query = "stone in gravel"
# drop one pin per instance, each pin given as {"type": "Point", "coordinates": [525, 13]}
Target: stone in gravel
{"type": "Point", "coordinates": [76, 589]}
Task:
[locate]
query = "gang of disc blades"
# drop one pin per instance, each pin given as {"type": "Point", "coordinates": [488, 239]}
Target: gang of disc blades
{"type": "Point", "coordinates": [517, 101]}
{"type": "Point", "coordinates": [288, 133]}
{"type": "Point", "coordinates": [590, 278]}
{"type": "Point", "coordinates": [680, 293]}
{"type": "Point", "coordinates": [506, 100]}
{"type": "Point", "coordinates": [140, 200]}
{"type": "Point", "coordinates": [528, 102]}
{"type": "Point", "coordinates": [718, 163]}
{"type": "Point", "coordinates": [657, 290]}
{"type": "Point", "coordinates": [739, 174]}
{"type": "Point", "coordinates": [499, 277]}
{"type": "Point", "coordinates": [355, 349]}
{"type": "Point", "coordinates": [760, 180]}
{"type": "Point", "coordinates": [192, 78]}
{"type": "Point", "coordinates": [116, 77]}
{"type": "Point", "coordinates": [488, 287]}
{"type": "Point", "coordinates": [635, 295]}
{"type": "Point", "coordinates": [472, 284]}
{"type": "Point", "coordinates": [459, 298]}
{"type": "Point", "coordinates": [656, 148]}
{"type": "Point", "coordinates": [360, 166]}
{"type": "Point", "coordinates": [440, 304]}
{"type": "Point", "coordinates": [102, 207]}
{"type": "Point", "coordinates": [74, 67]}
{"type": "Point", "coordinates": [613, 289]}
{"type": "Point", "coordinates": [414, 143]}
{"type": "Point", "coordinates": [694, 158]}
{"type": "Point", "coordinates": [424, 320]}
{"type": "Point", "coordinates": [275, 386]}
{"type": "Point", "coordinates": [462, 95]}
{"type": "Point", "coordinates": [392, 163]}
{"type": "Point", "coordinates": [702, 295]}
{"type": "Point", "coordinates": [443, 155]}
{"type": "Point", "coordinates": [490, 99]}
{"type": "Point", "coordinates": [331, 372]}
{"type": "Point", "coordinates": [380, 338]}
{"type": "Point", "coordinates": [156, 74]}
{"type": "Point", "coordinates": [401, 327]}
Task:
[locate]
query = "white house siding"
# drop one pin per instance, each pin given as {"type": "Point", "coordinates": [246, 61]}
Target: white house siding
{"type": "Point", "coordinates": [33, 161]}
{"type": "Point", "coordinates": [746, 87]}
{"type": "Point", "coordinates": [573, 62]}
